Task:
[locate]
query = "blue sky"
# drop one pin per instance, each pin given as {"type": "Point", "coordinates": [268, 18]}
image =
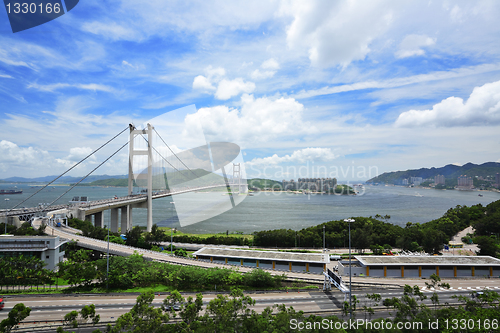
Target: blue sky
{"type": "Point", "coordinates": [344, 89]}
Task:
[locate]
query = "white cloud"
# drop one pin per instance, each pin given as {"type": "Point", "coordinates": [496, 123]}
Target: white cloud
{"type": "Point", "coordinates": [215, 74]}
{"type": "Point", "coordinates": [298, 156]}
{"type": "Point", "coordinates": [231, 88]}
{"type": "Point", "coordinates": [270, 67]}
{"type": "Point", "coordinates": [336, 32]}
{"type": "Point", "coordinates": [400, 81]}
{"type": "Point", "coordinates": [127, 64]}
{"type": "Point", "coordinates": [271, 64]}
{"type": "Point", "coordinates": [212, 75]}
{"type": "Point", "coordinates": [259, 75]}
{"type": "Point", "coordinates": [88, 86]}
{"type": "Point", "coordinates": [482, 108]}
{"type": "Point", "coordinates": [6, 76]}
{"type": "Point", "coordinates": [111, 30]}
{"type": "Point", "coordinates": [258, 120]}
{"type": "Point", "coordinates": [15, 157]}
{"type": "Point", "coordinates": [202, 83]}
{"type": "Point", "coordinates": [412, 45]}
{"type": "Point", "coordinates": [76, 154]}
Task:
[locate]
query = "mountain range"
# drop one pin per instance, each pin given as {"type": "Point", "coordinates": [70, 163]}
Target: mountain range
{"type": "Point", "coordinates": [62, 180]}
{"type": "Point", "coordinates": [448, 171]}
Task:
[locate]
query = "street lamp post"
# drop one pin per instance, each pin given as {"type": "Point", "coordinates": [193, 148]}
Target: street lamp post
{"type": "Point", "coordinates": [171, 230]}
{"type": "Point", "coordinates": [107, 263]}
{"type": "Point", "coordinates": [349, 221]}
{"type": "Point", "coordinates": [324, 247]}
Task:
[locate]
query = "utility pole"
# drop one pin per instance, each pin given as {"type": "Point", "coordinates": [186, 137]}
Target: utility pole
{"type": "Point", "coordinates": [349, 221]}
{"type": "Point", "coordinates": [171, 230]}
{"type": "Point", "coordinates": [107, 263]}
{"type": "Point", "coordinates": [324, 246]}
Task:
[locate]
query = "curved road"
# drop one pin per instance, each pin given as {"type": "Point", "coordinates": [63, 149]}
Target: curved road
{"type": "Point", "coordinates": [51, 309]}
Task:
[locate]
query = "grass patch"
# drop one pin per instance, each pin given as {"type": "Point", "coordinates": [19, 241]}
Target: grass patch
{"type": "Point", "coordinates": [237, 234]}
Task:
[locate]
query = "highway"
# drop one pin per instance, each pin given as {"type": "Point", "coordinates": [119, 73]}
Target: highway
{"type": "Point", "coordinates": [51, 309]}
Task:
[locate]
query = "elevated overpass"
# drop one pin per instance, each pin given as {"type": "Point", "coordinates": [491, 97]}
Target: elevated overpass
{"type": "Point", "coordinates": [124, 250]}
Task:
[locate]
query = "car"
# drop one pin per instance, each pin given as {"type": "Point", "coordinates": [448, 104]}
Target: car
{"type": "Point", "coordinates": [2, 303]}
{"type": "Point", "coordinates": [477, 294]}
{"type": "Point", "coordinates": [176, 307]}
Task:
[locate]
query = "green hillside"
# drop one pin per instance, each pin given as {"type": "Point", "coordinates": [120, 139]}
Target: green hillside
{"type": "Point", "coordinates": [450, 171]}
{"type": "Point", "coordinates": [194, 177]}
{"type": "Point", "coordinates": [260, 183]}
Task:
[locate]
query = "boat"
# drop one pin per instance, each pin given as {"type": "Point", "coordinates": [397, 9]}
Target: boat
{"type": "Point", "coordinates": [7, 199]}
{"type": "Point", "coordinates": [11, 191]}
{"type": "Point", "coordinates": [479, 195]}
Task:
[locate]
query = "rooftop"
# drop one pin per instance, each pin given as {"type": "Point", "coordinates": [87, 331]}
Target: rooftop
{"type": "Point", "coordinates": [27, 237]}
{"type": "Point", "coordinates": [428, 260]}
{"type": "Point", "coordinates": [264, 255]}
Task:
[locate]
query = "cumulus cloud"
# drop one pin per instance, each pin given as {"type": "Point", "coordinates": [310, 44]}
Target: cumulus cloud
{"type": "Point", "coordinates": [202, 83]}
{"type": "Point", "coordinates": [76, 154]}
{"type": "Point", "coordinates": [298, 156]}
{"type": "Point", "coordinates": [270, 64]}
{"type": "Point", "coordinates": [482, 108]}
{"type": "Point", "coordinates": [412, 45]}
{"type": "Point", "coordinates": [258, 120]}
{"type": "Point", "coordinates": [225, 88]}
{"type": "Point", "coordinates": [335, 32]}
{"type": "Point", "coordinates": [212, 75]}
{"type": "Point", "coordinates": [231, 88]}
{"type": "Point", "coordinates": [14, 156]}
{"type": "Point", "coordinates": [269, 67]}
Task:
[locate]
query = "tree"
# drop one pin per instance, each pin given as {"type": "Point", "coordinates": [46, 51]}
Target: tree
{"type": "Point", "coordinates": [143, 317]}
{"type": "Point", "coordinates": [407, 307]}
{"type": "Point", "coordinates": [433, 240]}
{"type": "Point", "coordinates": [432, 285]}
{"type": "Point", "coordinates": [156, 235]}
{"type": "Point", "coordinates": [374, 298]}
{"type": "Point", "coordinates": [80, 269]}
{"type": "Point", "coordinates": [18, 313]}
{"type": "Point", "coordinates": [225, 314]}
{"type": "Point", "coordinates": [487, 246]}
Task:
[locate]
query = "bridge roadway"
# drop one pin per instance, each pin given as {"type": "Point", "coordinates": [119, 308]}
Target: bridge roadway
{"type": "Point", "coordinates": [124, 250]}
{"type": "Point", "coordinates": [97, 206]}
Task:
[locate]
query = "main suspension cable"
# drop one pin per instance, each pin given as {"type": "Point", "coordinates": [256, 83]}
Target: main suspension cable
{"type": "Point", "coordinates": [174, 153]}
{"type": "Point", "coordinates": [116, 152]}
{"type": "Point", "coordinates": [74, 166]}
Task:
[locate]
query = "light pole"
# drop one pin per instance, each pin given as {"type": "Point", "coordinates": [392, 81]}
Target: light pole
{"type": "Point", "coordinates": [171, 230]}
{"type": "Point", "coordinates": [107, 263]}
{"type": "Point", "coordinates": [349, 221]}
{"type": "Point", "coordinates": [324, 247]}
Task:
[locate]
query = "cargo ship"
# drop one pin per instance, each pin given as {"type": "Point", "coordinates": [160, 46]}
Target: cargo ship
{"type": "Point", "coordinates": [11, 191]}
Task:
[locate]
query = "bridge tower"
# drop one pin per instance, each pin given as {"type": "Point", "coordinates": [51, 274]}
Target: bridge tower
{"type": "Point", "coordinates": [237, 176]}
{"type": "Point", "coordinates": [137, 152]}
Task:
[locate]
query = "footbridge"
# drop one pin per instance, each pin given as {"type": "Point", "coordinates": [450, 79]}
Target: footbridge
{"type": "Point", "coordinates": [155, 171]}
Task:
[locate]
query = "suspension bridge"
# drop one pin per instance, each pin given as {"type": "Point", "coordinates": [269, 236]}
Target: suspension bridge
{"type": "Point", "coordinates": [155, 171]}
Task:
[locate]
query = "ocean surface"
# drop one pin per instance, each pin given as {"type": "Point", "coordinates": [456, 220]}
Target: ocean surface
{"type": "Point", "coordinates": [270, 210]}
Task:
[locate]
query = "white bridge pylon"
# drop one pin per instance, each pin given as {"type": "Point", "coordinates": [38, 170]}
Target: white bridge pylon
{"type": "Point", "coordinates": [149, 175]}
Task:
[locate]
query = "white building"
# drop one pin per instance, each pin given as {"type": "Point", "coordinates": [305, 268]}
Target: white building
{"type": "Point", "coordinates": [50, 249]}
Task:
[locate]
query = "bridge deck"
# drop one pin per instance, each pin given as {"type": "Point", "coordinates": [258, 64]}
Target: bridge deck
{"type": "Point", "coordinates": [99, 205]}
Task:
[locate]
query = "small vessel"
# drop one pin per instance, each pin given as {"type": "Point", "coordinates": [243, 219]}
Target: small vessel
{"type": "Point", "coordinates": [479, 195]}
{"type": "Point", "coordinates": [7, 199]}
{"type": "Point", "coordinates": [11, 191]}
{"type": "Point", "coordinates": [418, 195]}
